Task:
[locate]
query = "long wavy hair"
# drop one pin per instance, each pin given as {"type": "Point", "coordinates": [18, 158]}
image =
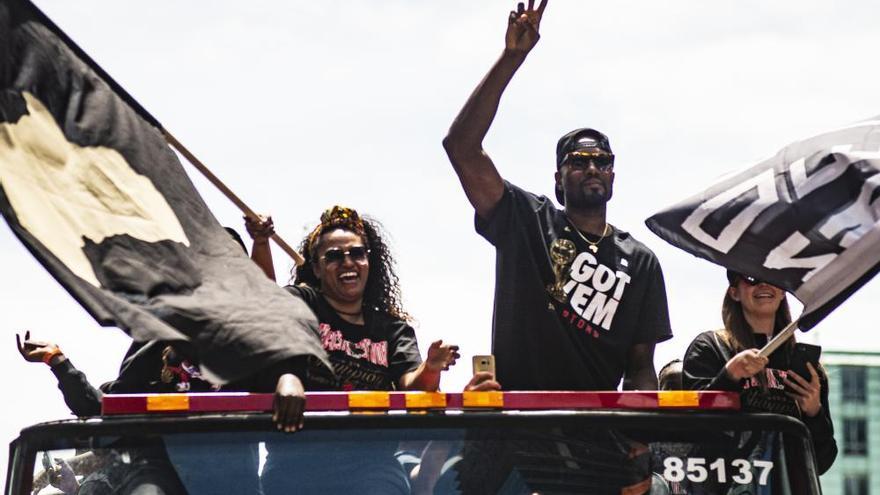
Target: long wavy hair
{"type": "Point", "coordinates": [739, 334]}
{"type": "Point", "coordinates": [382, 292]}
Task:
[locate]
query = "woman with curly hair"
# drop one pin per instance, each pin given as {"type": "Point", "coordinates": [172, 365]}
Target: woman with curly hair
{"type": "Point", "coordinates": [348, 280]}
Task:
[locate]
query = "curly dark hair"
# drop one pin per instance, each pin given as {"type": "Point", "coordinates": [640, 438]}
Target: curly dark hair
{"type": "Point", "coordinates": [382, 292]}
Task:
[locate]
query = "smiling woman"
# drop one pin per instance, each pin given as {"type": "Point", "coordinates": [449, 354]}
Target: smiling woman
{"type": "Point", "coordinates": [370, 280]}
{"type": "Point", "coordinates": [348, 279]}
{"type": "Point", "coordinates": [728, 359]}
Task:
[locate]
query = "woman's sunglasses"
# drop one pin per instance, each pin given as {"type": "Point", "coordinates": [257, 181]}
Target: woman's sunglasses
{"type": "Point", "coordinates": [751, 280]}
{"type": "Point", "coordinates": [336, 255]}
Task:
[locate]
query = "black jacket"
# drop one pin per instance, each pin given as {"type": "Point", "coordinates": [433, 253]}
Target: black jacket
{"type": "Point", "coordinates": [140, 373]}
{"type": "Point", "coordinates": [703, 369]}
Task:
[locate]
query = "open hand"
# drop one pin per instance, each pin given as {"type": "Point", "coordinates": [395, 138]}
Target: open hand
{"type": "Point", "coordinates": [522, 27]}
{"type": "Point", "coordinates": [34, 350]}
{"type": "Point", "coordinates": [260, 228]}
{"type": "Point", "coordinates": [441, 357]}
{"type": "Point", "coordinates": [746, 364]}
{"type": "Point", "coordinates": [805, 393]}
{"type": "Point", "coordinates": [289, 403]}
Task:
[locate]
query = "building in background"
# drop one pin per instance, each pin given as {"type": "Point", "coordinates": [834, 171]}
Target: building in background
{"type": "Point", "coordinates": [854, 399]}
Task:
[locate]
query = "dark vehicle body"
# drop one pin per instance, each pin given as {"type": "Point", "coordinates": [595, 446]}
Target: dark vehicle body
{"type": "Point", "coordinates": [408, 443]}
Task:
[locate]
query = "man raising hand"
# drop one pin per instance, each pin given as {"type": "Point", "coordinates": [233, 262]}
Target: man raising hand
{"type": "Point", "coordinates": [579, 303]}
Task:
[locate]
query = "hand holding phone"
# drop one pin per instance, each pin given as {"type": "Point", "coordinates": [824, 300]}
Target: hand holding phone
{"type": "Point", "coordinates": [484, 363]}
{"type": "Point", "coordinates": [484, 375]}
{"type": "Point", "coordinates": [803, 354]}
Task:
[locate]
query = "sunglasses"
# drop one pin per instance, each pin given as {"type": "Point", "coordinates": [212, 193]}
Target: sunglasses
{"type": "Point", "coordinates": [581, 160]}
{"type": "Point", "coordinates": [751, 280]}
{"type": "Point", "coordinates": [358, 254]}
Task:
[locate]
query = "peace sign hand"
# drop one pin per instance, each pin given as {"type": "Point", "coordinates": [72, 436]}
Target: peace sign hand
{"type": "Point", "coordinates": [522, 27]}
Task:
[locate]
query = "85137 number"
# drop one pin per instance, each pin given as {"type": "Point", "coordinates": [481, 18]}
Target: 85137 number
{"type": "Point", "coordinates": [696, 469]}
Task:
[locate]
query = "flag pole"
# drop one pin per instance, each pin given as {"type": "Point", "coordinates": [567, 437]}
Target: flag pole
{"type": "Point", "coordinates": [779, 339]}
{"type": "Point", "coordinates": [213, 179]}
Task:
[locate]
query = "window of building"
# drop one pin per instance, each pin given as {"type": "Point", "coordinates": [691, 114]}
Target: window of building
{"type": "Point", "coordinates": [855, 437]}
{"type": "Point", "coordinates": [855, 484]}
{"type": "Point", "coordinates": [854, 379]}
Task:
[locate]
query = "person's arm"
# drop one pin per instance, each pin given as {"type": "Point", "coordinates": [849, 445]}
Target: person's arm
{"type": "Point", "coordinates": [822, 430]}
{"type": "Point", "coordinates": [289, 403]}
{"type": "Point", "coordinates": [424, 476]}
{"type": "Point", "coordinates": [464, 143]}
{"type": "Point", "coordinates": [653, 327]}
{"type": "Point", "coordinates": [639, 373]}
{"type": "Point", "coordinates": [427, 376]}
{"type": "Point", "coordinates": [260, 230]}
{"type": "Point", "coordinates": [812, 398]}
{"type": "Point", "coordinates": [282, 378]}
{"type": "Point", "coordinates": [80, 396]}
{"type": "Point", "coordinates": [706, 366]}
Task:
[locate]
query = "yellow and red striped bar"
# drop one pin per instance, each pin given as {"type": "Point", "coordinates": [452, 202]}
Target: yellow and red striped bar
{"type": "Point", "coordinates": [408, 401]}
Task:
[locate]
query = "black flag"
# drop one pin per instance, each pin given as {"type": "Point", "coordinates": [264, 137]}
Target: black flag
{"type": "Point", "coordinates": [89, 185]}
{"type": "Point", "coordinates": [805, 220]}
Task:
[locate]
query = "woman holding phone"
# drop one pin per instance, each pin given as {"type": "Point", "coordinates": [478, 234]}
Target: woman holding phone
{"type": "Point", "coordinates": [753, 312]}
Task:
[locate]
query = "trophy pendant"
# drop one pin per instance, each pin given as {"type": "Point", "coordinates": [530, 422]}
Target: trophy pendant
{"type": "Point", "coordinates": [562, 253]}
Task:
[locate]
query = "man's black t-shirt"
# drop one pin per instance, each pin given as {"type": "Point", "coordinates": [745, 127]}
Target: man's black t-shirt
{"type": "Point", "coordinates": [372, 356]}
{"type": "Point", "coordinates": [615, 298]}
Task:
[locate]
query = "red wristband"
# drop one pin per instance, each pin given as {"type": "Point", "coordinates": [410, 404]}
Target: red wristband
{"type": "Point", "coordinates": [47, 358]}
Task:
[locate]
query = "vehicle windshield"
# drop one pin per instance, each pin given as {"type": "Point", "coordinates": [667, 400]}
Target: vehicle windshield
{"type": "Point", "coordinates": [565, 457]}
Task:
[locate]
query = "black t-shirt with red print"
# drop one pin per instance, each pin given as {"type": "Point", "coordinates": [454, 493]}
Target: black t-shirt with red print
{"type": "Point", "coordinates": [614, 298]}
{"type": "Point", "coordinates": [373, 356]}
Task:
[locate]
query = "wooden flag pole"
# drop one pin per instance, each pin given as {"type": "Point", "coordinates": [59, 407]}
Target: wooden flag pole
{"type": "Point", "coordinates": [779, 339]}
{"type": "Point", "coordinates": [297, 258]}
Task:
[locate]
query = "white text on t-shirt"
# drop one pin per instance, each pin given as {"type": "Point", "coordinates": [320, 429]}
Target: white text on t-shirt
{"type": "Point", "coordinates": [595, 290]}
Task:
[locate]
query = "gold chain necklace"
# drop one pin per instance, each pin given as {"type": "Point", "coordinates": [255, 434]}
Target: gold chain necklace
{"type": "Point", "coordinates": [592, 246]}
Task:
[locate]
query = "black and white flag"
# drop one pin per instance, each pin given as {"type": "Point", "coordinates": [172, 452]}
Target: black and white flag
{"type": "Point", "coordinates": [89, 185]}
{"type": "Point", "coordinates": [805, 220]}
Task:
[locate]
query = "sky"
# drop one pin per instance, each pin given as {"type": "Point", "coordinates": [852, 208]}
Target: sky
{"type": "Point", "coordinates": [301, 105]}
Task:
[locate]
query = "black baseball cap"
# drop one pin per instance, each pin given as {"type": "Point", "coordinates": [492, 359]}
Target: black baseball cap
{"type": "Point", "coordinates": [732, 277]}
{"type": "Point", "coordinates": [584, 139]}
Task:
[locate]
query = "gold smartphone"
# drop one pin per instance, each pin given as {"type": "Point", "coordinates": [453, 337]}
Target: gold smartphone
{"type": "Point", "coordinates": [484, 363]}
